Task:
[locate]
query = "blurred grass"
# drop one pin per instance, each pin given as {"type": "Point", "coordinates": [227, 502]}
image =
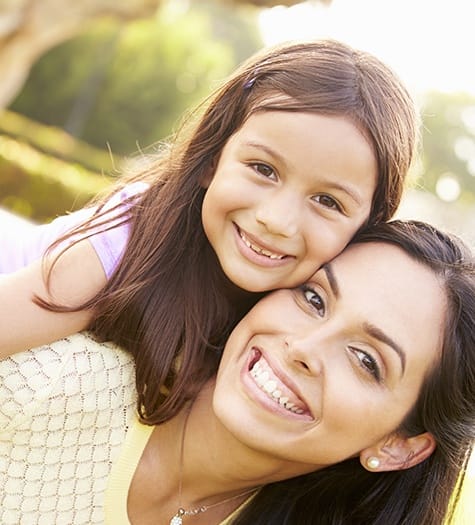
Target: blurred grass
{"type": "Point", "coordinates": [45, 172]}
{"type": "Point", "coordinates": [55, 142]}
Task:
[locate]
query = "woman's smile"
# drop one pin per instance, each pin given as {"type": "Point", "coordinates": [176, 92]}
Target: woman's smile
{"type": "Point", "coordinates": [275, 389]}
{"type": "Point", "coordinates": [342, 355]}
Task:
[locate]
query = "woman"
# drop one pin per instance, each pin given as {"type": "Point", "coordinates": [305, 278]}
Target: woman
{"type": "Point", "coordinates": [330, 406]}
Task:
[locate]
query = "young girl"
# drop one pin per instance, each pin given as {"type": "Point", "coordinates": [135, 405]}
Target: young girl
{"type": "Point", "coordinates": [344, 401]}
{"type": "Point", "coordinates": [300, 148]}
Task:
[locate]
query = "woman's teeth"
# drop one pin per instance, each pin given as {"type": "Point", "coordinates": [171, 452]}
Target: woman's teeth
{"type": "Point", "coordinates": [270, 387]}
{"type": "Point", "coordinates": [258, 249]}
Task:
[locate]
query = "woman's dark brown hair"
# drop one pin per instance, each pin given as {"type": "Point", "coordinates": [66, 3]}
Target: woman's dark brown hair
{"type": "Point", "coordinates": [346, 493]}
{"type": "Point", "coordinates": [168, 296]}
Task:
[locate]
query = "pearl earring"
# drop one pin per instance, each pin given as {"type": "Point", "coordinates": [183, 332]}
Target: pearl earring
{"type": "Point", "coordinates": [373, 463]}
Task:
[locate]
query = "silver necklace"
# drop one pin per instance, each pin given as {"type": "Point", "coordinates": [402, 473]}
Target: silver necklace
{"type": "Point", "coordinates": [177, 519]}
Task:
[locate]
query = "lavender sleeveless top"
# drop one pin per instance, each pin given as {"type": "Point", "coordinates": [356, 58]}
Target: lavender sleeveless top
{"type": "Point", "coordinates": [19, 249]}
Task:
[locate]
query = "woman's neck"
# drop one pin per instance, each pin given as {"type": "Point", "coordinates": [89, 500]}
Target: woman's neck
{"type": "Point", "coordinates": [215, 461]}
{"type": "Point", "coordinates": [189, 473]}
{"type": "Point", "coordinates": [205, 466]}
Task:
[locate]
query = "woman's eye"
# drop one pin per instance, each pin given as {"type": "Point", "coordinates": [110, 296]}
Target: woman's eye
{"type": "Point", "coordinates": [265, 170]}
{"type": "Point", "coordinates": [328, 202]}
{"type": "Point", "coordinates": [314, 300]}
{"type": "Point", "coordinates": [368, 363]}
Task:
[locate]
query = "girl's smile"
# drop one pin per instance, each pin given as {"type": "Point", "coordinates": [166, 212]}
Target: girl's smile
{"type": "Point", "coordinates": [289, 191]}
{"type": "Point", "coordinates": [259, 252]}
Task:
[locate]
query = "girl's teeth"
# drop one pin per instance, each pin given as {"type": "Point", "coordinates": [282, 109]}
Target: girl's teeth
{"type": "Point", "coordinates": [260, 251]}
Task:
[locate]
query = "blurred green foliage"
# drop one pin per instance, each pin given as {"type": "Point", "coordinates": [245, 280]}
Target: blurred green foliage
{"type": "Point", "coordinates": [113, 90]}
{"type": "Point", "coordinates": [56, 142]}
{"type": "Point", "coordinates": [125, 86]}
{"type": "Point", "coordinates": [42, 173]}
{"type": "Point", "coordinates": [449, 144]}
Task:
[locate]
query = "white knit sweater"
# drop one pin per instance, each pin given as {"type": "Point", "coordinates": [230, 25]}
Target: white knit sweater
{"type": "Point", "coordinates": [64, 412]}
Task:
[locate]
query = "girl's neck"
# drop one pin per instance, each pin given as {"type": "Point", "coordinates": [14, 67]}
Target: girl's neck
{"type": "Point", "coordinates": [240, 299]}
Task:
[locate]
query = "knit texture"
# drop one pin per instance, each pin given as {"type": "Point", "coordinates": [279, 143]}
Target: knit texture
{"type": "Point", "coordinates": [65, 409]}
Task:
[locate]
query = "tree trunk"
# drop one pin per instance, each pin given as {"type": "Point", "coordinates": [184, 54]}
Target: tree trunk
{"type": "Point", "coordinates": [28, 28]}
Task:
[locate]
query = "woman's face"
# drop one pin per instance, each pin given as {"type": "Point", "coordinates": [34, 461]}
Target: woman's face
{"type": "Point", "coordinates": [316, 374]}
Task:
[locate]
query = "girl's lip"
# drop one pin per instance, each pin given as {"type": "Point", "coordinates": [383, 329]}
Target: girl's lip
{"type": "Point", "coordinates": [260, 249]}
{"type": "Point", "coordinates": [255, 355]}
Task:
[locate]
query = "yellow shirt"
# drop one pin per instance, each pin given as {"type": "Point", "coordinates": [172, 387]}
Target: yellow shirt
{"type": "Point", "coordinates": [115, 505]}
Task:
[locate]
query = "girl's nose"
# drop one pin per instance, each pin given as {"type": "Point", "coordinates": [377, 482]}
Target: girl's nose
{"type": "Point", "coordinates": [279, 215]}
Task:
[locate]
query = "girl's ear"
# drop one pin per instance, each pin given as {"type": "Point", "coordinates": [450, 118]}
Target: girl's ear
{"type": "Point", "coordinates": [397, 452]}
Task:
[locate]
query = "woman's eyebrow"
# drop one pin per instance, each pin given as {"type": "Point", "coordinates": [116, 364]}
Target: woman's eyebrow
{"type": "Point", "coordinates": [377, 333]}
{"type": "Point", "coordinates": [369, 328]}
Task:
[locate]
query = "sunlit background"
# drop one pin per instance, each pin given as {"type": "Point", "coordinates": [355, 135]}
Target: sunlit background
{"type": "Point", "coordinates": [117, 84]}
{"type": "Point", "coordinates": [429, 42]}
{"type": "Point", "coordinates": [83, 91]}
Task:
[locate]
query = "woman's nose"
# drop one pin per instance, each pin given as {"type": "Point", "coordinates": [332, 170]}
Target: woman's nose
{"type": "Point", "coordinates": [305, 351]}
{"type": "Point", "coordinates": [280, 214]}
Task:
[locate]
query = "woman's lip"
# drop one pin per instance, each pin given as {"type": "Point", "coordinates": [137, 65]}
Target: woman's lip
{"type": "Point", "coordinates": [256, 354]}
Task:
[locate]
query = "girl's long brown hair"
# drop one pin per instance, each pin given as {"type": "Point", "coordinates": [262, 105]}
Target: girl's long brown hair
{"type": "Point", "coordinates": [169, 297]}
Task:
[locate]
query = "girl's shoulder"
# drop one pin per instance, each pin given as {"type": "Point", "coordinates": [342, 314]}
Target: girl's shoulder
{"type": "Point", "coordinates": [126, 195]}
{"type": "Point", "coordinates": [110, 241]}
{"type": "Point", "coordinates": [19, 248]}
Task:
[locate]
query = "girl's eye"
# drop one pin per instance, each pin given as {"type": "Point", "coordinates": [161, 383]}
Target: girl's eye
{"type": "Point", "coordinates": [264, 170]}
{"type": "Point", "coordinates": [368, 363]}
{"type": "Point", "coordinates": [328, 202]}
{"type": "Point", "coordinates": [314, 299]}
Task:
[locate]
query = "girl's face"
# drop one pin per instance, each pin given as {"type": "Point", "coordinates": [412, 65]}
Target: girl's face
{"type": "Point", "coordinates": [318, 374]}
{"type": "Point", "coordinates": [289, 192]}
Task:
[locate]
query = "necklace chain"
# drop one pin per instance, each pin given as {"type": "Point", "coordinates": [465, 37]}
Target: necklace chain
{"type": "Point", "coordinates": [177, 519]}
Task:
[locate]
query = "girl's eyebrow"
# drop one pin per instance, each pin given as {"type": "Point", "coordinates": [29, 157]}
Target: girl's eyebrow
{"type": "Point", "coordinates": [270, 151]}
{"type": "Point", "coordinates": [369, 328]}
{"type": "Point", "coordinates": [351, 192]}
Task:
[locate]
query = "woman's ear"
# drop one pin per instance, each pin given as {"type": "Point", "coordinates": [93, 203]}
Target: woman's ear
{"type": "Point", "coordinates": [397, 452]}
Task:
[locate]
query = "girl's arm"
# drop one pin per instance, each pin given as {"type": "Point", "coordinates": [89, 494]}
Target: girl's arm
{"type": "Point", "coordinates": [77, 276]}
